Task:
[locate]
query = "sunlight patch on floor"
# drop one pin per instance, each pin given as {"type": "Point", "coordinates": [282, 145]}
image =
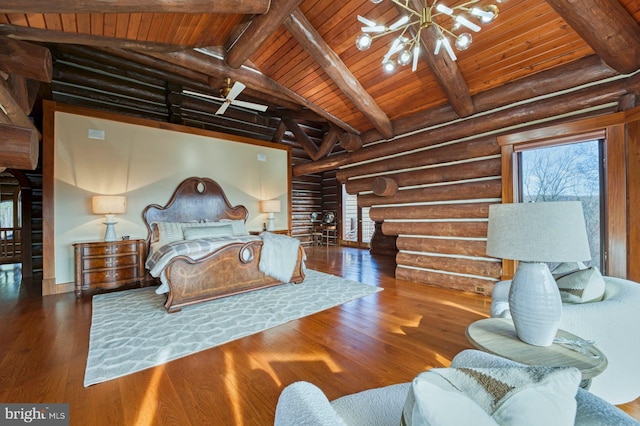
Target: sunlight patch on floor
{"type": "Point", "coordinates": [232, 385]}
{"type": "Point", "coordinates": [149, 404]}
{"type": "Point", "coordinates": [277, 357]}
{"type": "Point", "coordinates": [402, 325]}
{"type": "Point", "coordinates": [482, 314]}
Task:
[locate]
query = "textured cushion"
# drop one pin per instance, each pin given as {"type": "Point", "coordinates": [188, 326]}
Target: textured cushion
{"type": "Point", "coordinates": [489, 396]}
{"type": "Point", "coordinates": [582, 286]}
{"type": "Point", "coordinates": [567, 267]}
{"type": "Point", "coordinates": [194, 233]}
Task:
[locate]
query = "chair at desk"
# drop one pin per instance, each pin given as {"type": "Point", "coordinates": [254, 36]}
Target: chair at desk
{"type": "Point", "coordinates": [316, 229]}
{"type": "Point", "coordinates": [329, 229]}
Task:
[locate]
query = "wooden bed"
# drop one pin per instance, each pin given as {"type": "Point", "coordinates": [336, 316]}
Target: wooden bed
{"type": "Point", "coordinates": [229, 270]}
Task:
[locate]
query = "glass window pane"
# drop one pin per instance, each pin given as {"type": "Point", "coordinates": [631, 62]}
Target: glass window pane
{"type": "Point", "coordinates": [570, 172]}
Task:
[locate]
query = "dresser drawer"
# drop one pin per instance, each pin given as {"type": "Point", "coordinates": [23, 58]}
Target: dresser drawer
{"type": "Point", "coordinates": [90, 263]}
{"type": "Point", "coordinates": [109, 249]}
{"type": "Point", "coordinates": [111, 276]}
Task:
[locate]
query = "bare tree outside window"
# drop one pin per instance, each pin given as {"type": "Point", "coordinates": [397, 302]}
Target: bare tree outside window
{"type": "Point", "coordinates": [569, 172]}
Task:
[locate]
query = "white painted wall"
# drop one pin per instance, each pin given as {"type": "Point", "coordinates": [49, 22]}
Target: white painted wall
{"type": "Point", "coordinates": [146, 164]}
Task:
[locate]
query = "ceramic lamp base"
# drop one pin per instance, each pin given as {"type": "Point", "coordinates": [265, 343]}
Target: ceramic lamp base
{"type": "Point", "coordinates": [110, 234]}
{"type": "Point", "coordinates": [271, 222]}
{"type": "Point", "coordinates": [535, 304]}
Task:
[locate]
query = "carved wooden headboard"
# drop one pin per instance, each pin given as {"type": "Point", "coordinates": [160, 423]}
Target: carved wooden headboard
{"type": "Point", "coordinates": [194, 200]}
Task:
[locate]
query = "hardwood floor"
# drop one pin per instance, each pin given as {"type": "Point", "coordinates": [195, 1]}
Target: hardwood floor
{"type": "Point", "coordinates": [374, 341]}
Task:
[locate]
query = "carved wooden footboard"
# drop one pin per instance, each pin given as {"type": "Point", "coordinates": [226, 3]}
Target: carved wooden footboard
{"type": "Point", "coordinates": [231, 269]}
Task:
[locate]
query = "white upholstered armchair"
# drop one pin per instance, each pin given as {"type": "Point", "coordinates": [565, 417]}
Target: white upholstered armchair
{"type": "Point", "coordinates": [304, 404]}
{"type": "Point", "coordinates": [611, 323]}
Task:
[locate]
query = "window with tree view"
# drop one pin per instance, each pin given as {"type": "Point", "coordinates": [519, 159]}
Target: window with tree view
{"type": "Point", "coordinates": [569, 172]}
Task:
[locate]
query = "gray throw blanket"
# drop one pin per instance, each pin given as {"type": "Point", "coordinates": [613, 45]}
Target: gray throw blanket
{"type": "Point", "coordinates": [278, 256]}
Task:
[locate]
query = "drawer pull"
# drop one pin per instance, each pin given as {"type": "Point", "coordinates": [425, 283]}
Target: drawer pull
{"type": "Point", "coordinates": [111, 274]}
{"type": "Point", "coordinates": [110, 263]}
{"type": "Point", "coordinates": [111, 250]}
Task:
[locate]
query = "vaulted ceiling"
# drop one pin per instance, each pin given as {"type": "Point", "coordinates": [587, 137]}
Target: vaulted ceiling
{"type": "Point", "coordinates": [307, 62]}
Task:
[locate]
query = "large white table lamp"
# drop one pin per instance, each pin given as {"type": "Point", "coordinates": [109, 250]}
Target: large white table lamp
{"type": "Point", "coordinates": [270, 207]}
{"type": "Point", "coordinates": [109, 205]}
{"type": "Point", "coordinates": [535, 233]}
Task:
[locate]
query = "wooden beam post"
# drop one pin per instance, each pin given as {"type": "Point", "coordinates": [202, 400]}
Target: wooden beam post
{"type": "Point", "coordinates": [607, 27]}
{"type": "Point", "coordinates": [26, 59]}
{"type": "Point", "coordinates": [260, 28]}
{"type": "Point", "coordinates": [18, 147]}
{"type": "Point", "coordinates": [314, 44]}
{"type": "Point", "coordinates": [62, 37]}
{"type": "Point", "coordinates": [134, 6]}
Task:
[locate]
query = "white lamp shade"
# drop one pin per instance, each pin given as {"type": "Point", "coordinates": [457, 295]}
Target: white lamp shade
{"type": "Point", "coordinates": [538, 232]}
{"type": "Point", "coordinates": [270, 206]}
{"type": "Point", "coordinates": [108, 204]}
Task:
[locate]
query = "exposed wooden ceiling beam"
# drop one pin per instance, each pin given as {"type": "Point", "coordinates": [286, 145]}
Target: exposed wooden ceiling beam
{"type": "Point", "coordinates": [312, 42]}
{"type": "Point", "coordinates": [303, 139]}
{"type": "Point", "coordinates": [13, 108]}
{"type": "Point", "coordinates": [607, 27]}
{"type": "Point", "coordinates": [134, 6]}
{"type": "Point", "coordinates": [53, 36]}
{"type": "Point", "coordinates": [256, 81]}
{"type": "Point", "coordinates": [18, 147]}
{"type": "Point", "coordinates": [25, 59]}
{"type": "Point", "coordinates": [258, 31]}
{"type": "Point", "coordinates": [445, 70]}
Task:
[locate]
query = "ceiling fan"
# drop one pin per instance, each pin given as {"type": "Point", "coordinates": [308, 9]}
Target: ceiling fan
{"type": "Point", "coordinates": [229, 94]}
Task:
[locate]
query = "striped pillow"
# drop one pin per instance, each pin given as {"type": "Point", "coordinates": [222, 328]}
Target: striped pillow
{"type": "Point", "coordinates": [195, 233]}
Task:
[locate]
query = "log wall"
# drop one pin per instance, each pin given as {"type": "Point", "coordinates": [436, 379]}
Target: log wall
{"type": "Point", "coordinates": [439, 211]}
{"type": "Point", "coordinates": [432, 188]}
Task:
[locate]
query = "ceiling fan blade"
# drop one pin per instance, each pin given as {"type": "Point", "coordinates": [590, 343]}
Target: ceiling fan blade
{"type": "Point", "coordinates": [222, 108]}
{"type": "Point", "coordinates": [202, 95]}
{"type": "Point", "coordinates": [249, 105]}
{"type": "Point", "coordinates": [235, 90]}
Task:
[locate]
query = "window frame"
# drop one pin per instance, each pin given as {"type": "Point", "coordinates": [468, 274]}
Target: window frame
{"type": "Point", "coordinates": [610, 128]}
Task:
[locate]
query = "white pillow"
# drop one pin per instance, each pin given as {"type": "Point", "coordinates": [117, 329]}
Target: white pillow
{"type": "Point", "coordinates": [195, 233]}
{"type": "Point", "coordinates": [488, 396]}
{"type": "Point", "coordinates": [172, 231]}
{"type": "Point", "coordinates": [238, 226]}
{"type": "Point", "coordinates": [566, 268]}
{"type": "Point", "coordinates": [582, 286]}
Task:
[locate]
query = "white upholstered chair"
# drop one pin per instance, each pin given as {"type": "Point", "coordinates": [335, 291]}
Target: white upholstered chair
{"type": "Point", "coordinates": [304, 404]}
{"type": "Point", "coordinates": [611, 323]}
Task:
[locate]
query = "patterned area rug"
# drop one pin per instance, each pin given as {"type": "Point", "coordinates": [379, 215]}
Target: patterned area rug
{"type": "Point", "coordinates": [131, 330]}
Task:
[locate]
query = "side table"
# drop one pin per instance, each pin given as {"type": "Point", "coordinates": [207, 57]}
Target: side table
{"type": "Point", "coordinates": [498, 336]}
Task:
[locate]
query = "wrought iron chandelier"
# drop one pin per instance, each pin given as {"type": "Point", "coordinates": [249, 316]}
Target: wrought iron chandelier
{"type": "Point", "coordinates": [405, 48]}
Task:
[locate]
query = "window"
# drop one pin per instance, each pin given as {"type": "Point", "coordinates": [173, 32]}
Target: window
{"type": "Point", "coordinates": [568, 172]}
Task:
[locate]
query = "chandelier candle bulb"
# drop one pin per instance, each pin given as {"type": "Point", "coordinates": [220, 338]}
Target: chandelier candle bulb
{"type": "Point", "coordinates": [412, 21]}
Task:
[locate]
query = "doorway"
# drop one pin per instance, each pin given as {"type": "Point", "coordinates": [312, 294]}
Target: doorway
{"type": "Point", "coordinates": [357, 226]}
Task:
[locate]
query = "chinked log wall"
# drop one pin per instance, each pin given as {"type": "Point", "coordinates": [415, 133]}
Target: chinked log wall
{"type": "Point", "coordinates": [439, 211]}
{"type": "Point", "coordinates": [432, 188]}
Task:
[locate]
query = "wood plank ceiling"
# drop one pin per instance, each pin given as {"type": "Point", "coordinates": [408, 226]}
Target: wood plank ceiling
{"type": "Point", "coordinates": [307, 58]}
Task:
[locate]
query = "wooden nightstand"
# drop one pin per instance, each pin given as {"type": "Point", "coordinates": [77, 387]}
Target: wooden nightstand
{"type": "Point", "coordinates": [108, 265]}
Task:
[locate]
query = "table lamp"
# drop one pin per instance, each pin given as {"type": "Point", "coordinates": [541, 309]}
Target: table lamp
{"type": "Point", "coordinates": [534, 233]}
{"type": "Point", "coordinates": [109, 205]}
{"type": "Point", "coordinates": [270, 207]}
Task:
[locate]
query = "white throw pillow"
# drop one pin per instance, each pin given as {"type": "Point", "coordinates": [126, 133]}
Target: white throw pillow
{"type": "Point", "coordinates": [566, 268]}
{"type": "Point", "coordinates": [172, 231]}
{"type": "Point", "coordinates": [239, 228]}
{"type": "Point", "coordinates": [583, 286]}
{"type": "Point", "coordinates": [487, 396]}
{"type": "Point", "coordinates": [195, 233]}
